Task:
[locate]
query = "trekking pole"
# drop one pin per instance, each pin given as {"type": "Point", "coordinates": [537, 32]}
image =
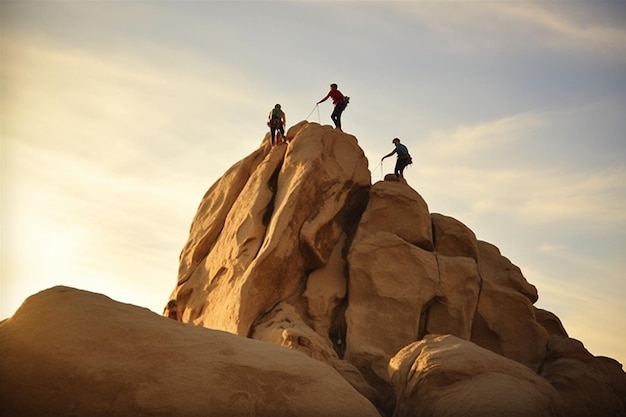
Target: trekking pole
{"type": "Point", "coordinates": [319, 120]}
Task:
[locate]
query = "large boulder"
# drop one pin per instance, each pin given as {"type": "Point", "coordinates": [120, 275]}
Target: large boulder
{"type": "Point", "coordinates": [444, 376]}
{"type": "Point", "coordinates": [282, 223]}
{"type": "Point", "coordinates": [67, 352]}
{"type": "Point", "coordinates": [589, 386]}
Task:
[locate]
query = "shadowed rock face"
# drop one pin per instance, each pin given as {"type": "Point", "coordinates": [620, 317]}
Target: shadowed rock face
{"type": "Point", "coordinates": [397, 311]}
{"type": "Point", "coordinates": [73, 353]}
{"type": "Point", "coordinates": [438, 371]}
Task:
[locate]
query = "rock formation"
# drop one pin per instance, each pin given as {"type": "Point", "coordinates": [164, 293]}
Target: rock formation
{"type": "Point", "coordinates": [73, 353]}
{"type": "Point", "coordinates": [400, 311]}
{"type": "Point", "coordinates": [295, 246]}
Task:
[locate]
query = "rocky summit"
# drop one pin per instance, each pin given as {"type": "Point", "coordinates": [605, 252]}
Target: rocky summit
{"type": "Point", "coordinates": [306, 290]}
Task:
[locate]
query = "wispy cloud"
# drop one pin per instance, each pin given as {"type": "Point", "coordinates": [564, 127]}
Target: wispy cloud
{"type": "Point", "coordinates": [538, 196]}
{"type": "Point", "coordinates": [472, 139]}
{"type": "Point", "coordinates": [561, 26]}
{"type": "Point", "coordinates": [499, 166]}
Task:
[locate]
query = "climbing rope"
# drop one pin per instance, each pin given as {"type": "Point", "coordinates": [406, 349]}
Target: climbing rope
{"type": "Point", "coordinates": [380, 164]}
{"type": "Point", "coordinates": [318, 112]}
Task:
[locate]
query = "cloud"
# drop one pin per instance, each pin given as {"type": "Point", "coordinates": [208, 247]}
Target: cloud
{"type": "Point", "coordinates": [118, 110]}
{"type": "Point", "coordinates": [471, 139]}
{"type": "Point", "coordinates": [587, 295]}
{"type": "Point", "coordinates": [492, 26]}
{"type": "Point", "coordinates": [528, 167]}
{"type": "Point", "coordinates": [561, 27]}
{"type": "Point", "coordinates": [596, 197]}
{"type": "Point", "coordinates": [538, 196]}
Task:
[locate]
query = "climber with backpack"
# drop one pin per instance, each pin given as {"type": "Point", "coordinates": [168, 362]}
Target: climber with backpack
{"type": "Point", "coordinates": [340, 101]}
{"type": "Point", "coordinates": [277, 122]}
{"type": "Point", "coordinates": [404, 158]}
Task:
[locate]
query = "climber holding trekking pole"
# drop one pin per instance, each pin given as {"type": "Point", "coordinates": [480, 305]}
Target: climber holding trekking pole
{"type": "Point", "coordinates": [403, 160]}
{"type": "Point", "coordinates": [340, 101]}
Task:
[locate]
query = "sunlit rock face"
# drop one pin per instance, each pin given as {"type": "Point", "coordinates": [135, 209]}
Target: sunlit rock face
{"type": "Point", "coordinates": [301, 277]}
{"type": "Point", "coordinates": [295, 246]}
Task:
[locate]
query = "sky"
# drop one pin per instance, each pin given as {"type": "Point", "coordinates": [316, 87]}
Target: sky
{"type": "Point", "coordinates": [117, 116]}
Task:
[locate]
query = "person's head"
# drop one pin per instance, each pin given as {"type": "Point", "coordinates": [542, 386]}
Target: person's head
{"type": "Point", "coordinates": [277, 106]}
{"type": "Point", "coordinates": [333, 86]}
{"type": "Point", "coordinates": [395, 141]}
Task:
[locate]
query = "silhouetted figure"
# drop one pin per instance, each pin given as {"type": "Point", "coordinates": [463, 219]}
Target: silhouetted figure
{"type": "Point", "coordinates": [340, 101]}
{"type": "Point", "coordinates": [277, 122]}
{"type": "Point", "coordinates": [403, 159]}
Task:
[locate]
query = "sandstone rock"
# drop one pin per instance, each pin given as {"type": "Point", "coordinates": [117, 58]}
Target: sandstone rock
{"type": "Point", "coordinates": [550, 322]}
{"type": "Point", "coordinates": [394, 178]}
{"type": "Point", "coordinates": [211, 214]}
{"type": "Point", "coordinates": [325, 295]}
{"type": "Point", "coordinates": [505, 321]}
{"type": "Point", "coordinates": [391, 284]}
{"type": "Point", "coordinates": [397, 208]}
{"type": "Point", "coordinates": [233, 251]}
{"type": "Point", "coordinates": [313, 257]}
{"type": "Point", "coordinates": [309, 255]}
{"type": "Point", "coordinates": [285, 327]}
{"type": "Point", "coordinates": [453, 238]}
{"type": "Point", "coordinates": [72, 353]}
{"type": "Point", "coordinates": [287, 219]}
{"type": "Point", "coordinates": [446, 376]}
{"type": "Point", "coordinates": [453, 308]}
{"type": "Point", "coordinates": [589, 386]}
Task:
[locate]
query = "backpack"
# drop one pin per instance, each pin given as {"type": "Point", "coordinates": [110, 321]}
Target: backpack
{"type": "Point", "coordinates": [276, 119]}
{"type": "Point", "coordinates": [277, 113]}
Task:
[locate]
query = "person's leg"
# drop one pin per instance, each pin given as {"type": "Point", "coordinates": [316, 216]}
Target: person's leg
{"type": "Point", "coordinates": [338, 111]}
{"type": "Point", "coordinates": [336, 117]}
{"type": "Point", "coordinates": [397, 169]}
{"type": "Point", "coordinates": [402, 166]}
{"type": "Point", "coordinates": [273, 132]}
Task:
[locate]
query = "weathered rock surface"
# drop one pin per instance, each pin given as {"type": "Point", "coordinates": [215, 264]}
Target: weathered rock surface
{"type": "Point", "coordinates": [447, 376]}
{"type": "Point", "coordinates": [294, 246]}
{"type": "Point", "coordinates": [588, 385]}
{"type": "Point", "coordinates": [72, 353]}
{"type": "Point", "coordinates": [312, 256]}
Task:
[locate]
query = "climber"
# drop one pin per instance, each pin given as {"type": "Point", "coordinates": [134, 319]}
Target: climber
{"type": "Point", "coordinates": [277, 121]}
{"type": "Point", "coordinates": [340, 101]}
{"type": "Point", "coordinates": [403, 160]}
